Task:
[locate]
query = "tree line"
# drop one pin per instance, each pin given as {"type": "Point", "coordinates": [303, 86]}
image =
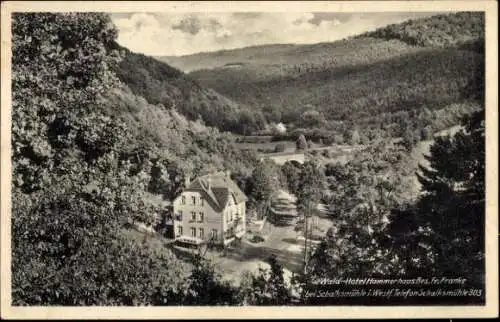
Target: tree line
{"type": "Point", "coordinates": [367, 81]}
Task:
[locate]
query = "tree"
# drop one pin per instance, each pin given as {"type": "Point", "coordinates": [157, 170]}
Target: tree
{"type": "Point", "coordinates": [338, 139]}
{"type": "Point", "coordinates": [312, 182]}
{"type": "Point", "coordinates": [301, 143]}
{"type": "Point", "coordinates": [167, 178]}
{"type": "Point", "coordinates": [363, 193]}
{"type": "Point", "coordinates": [55, 89]}
{"type": "Point", "coordinates": [263, 186]}
{"type": "Point", "coordinates": [327, 153]}
{"type": "Point", "coordinates": [272, 113]}
{"type": "Point", "coordinates": [426, 133]}
{"type": "Point", "coordinates": [291, 171]}
{"type": "Point", "coordinates": [72, 192]}
{"type": "Point", "coordinates": [409, 139]}
{"type": "Point", "coordinates": [311, 118]}
{"type": "Point", "coordinates": [268, 287]}
{"type": "Point", "coordinates": [355, 138]}
{"type": "Point", "coordinates": [453, 196]}
{"type": "Point", "coordinates": [205, 287]}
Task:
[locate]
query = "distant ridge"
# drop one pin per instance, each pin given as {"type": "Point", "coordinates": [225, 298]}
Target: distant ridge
{"type": "Point", "coordinates": [417, 74]}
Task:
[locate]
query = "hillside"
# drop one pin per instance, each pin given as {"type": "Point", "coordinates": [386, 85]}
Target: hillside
{"type": "Point", "coordinates": [103, 138]}
{"type": "Point", "coordinates": [439, 31]}
{"type": "Point", "coordinates": [160, 83]}
{"type": "Point", "coordinates": [195, 147]}
{"type": "Point", "coordinates": [264, 55]}
{"type": "Point", "coordinates": [87, 153]}
{"type": "Point", "coordinates": [443, 30]}
{"type": "Point", "coordinates": [382, 82]}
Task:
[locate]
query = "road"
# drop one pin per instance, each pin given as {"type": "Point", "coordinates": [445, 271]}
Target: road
{"type": "Point", "coordinates": [281, 240]}
{"type": "Point", "coordinates": [282, 233]}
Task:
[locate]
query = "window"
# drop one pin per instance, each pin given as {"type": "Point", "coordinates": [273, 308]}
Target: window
{"type": "Point", "coordinates": [193, 232]}
{"type": "Point", "coordinates": [193, 199]}
{"type": "Point", "coordinates": [202, 201]}
{"type": "Point", "coordinates": [179, 216]}
{"type": "Point", "coordinates": [179, 230]}
{"type": "Point", "coordinates": [214, 233]}
{"type": "Point", "coordinates": [202, 215]}
{"type": "Point", "coordinates": [193, 216]}
{"type": "Point", "coordinates": [183, 201]}
{"type": "Point", "coordinates": [201, 233]}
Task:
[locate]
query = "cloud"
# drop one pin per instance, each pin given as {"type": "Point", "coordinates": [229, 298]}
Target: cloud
{"type": "Point", "coordinates": [168, 34]}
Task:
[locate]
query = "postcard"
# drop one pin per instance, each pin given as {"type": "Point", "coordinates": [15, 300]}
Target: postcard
{"type": "Point", "coordinates": [274, 159]}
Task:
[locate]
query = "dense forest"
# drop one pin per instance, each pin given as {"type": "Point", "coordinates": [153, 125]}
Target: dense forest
{"type": "Point", "coordinates": [376, 82]}
{"type": "Point", "coordinates": [443, 30]}
{"type": "Point", "coordinates": [86, 151]}
{"type": "Point", "coordinates": [383, 231]}
{"type": "Point", "coordinates": [160, 83]}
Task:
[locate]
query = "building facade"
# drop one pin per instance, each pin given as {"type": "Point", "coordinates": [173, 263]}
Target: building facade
{"type": "Point", "coordinates": [211, 208]}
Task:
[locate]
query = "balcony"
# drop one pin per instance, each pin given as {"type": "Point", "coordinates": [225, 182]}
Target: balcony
{"type": "Point", "coordinates": [189, 240]}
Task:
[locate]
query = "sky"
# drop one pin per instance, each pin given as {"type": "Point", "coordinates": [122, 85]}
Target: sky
{"type": "Point", "coordinates": [176, 34]}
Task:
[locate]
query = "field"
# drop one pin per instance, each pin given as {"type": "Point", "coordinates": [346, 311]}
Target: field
{"type": "Point", "coordinates": [320, 152]}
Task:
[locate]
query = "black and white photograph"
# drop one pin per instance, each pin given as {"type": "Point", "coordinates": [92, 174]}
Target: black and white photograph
{"type": "Point", "coordinates": [249, 158]}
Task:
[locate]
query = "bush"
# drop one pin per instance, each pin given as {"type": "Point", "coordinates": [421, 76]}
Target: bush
{"type": "Point", "coordinates": [301, 143]}
{"type": "Point", "coordinates": [326, 153]}
{"type": "Point", "coordinates": [338, 139]}
{"type": "Point", "coordinates": [257, 239]}
{"type": "Point", "coordinates": [280, 147]}
{"type": "Point", "coordinates": [426, 133]}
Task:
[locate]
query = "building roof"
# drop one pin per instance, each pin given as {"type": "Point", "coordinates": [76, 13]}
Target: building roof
{"type": "Point", "coordinates": [217, 189]}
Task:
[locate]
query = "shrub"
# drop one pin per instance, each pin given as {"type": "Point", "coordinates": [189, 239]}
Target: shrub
{"type": "Point", "coordinates": [280, 147]}
{"type": "Point", "coordinates": [257, 239]}
{"type": "Point", "coordinates": [301, 143]}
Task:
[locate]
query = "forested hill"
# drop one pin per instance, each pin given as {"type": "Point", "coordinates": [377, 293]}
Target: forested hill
{"type": "Point", "coordinates": [160, 83]}
{"type": "Point", "coordinates": [86, 155]}
{"type": "Point", "coordinates": [171, 140]}
{"type": "Point", "coordinates": [443, 30]}
{"type": "Point", "coordinates": [413, 75]}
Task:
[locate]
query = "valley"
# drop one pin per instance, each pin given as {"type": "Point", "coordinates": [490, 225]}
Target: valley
{"type": "Point", "coordinates": [198, 180]}
{"type": "Point", "coordinates": [384, 83]}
